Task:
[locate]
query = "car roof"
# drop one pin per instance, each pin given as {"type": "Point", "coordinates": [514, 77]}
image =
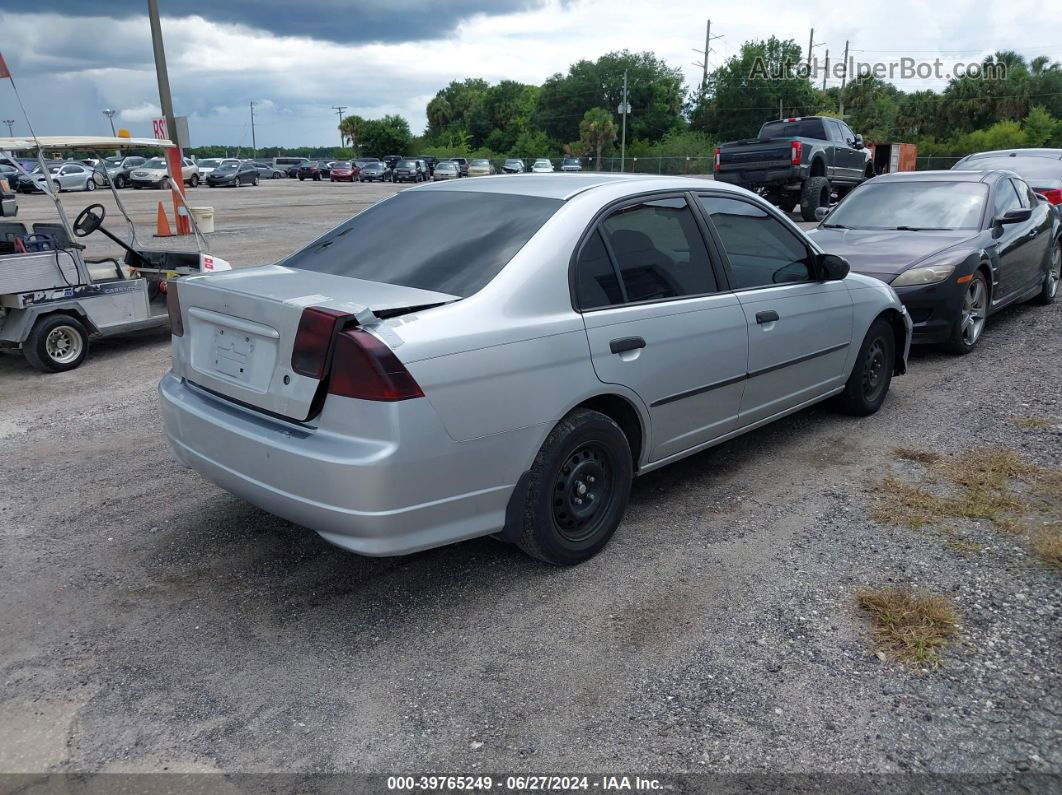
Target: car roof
{"type": "Point", "coordinates": [1051, 154]}
{"type": "Point", "coordinates": [565, 186]}
{"type": "Point", "coordinates": [961, 175]}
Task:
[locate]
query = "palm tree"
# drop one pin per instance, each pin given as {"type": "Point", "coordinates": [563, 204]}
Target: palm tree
{"type": "Point", "coordinates": [351, 128]}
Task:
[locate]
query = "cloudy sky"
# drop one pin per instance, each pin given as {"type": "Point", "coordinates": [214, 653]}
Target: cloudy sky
{"type": "Point", "coordinates": [297, 58]}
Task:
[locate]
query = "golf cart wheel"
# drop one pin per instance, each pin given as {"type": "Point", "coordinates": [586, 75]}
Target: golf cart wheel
{"type": "Point", "coordinates": [577, 489]}
{"type": "Point", "coordinates": [816, 193]}
{"type": "Point", "coordinates": [57, 343]}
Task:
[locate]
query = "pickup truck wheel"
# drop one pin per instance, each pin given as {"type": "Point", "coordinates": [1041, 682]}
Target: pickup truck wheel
{"type": "Point", "coordinates": [867, 386]}
{"type": "Point", "coordinates": [56, 343]}
{"type": "Point", "coordinates": [578, 489]}
{"type": "Point", "coordinates": [815, 194]}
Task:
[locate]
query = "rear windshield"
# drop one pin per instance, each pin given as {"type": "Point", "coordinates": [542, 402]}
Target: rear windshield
{"type": "Point", "coordinates": [409, 240]}
{"type": "Point", "coordinates": [1039, 172]}
{"type": "Point", "coordinates": [802, 128]}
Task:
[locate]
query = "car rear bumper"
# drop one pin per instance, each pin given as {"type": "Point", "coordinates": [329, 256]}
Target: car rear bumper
{"type": "Point", "coordinates": [368, 492]}
{"type": "Point", "coordinates": [762, 177]}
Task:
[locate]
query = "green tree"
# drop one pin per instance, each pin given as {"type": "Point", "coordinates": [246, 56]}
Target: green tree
{"type": "Point", "coordinates": [1040, 127]}
{"type": "Point", "coordinates": [596, 130]}
{"type": "Point", "coordinates": [350, 128]}
{"type": "Point", "coordinates": [387, 136]}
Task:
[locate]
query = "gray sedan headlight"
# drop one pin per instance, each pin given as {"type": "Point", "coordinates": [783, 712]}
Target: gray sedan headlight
{"type": "Point", "coordinates": [926, 274]}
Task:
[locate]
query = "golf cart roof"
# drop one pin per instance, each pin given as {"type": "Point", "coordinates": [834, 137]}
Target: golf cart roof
{"type": "Point", "coordinates": [79, 142]}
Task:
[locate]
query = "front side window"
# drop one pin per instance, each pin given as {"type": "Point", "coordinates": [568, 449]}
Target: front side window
{"type": "Point", "coordinates": [761, 250]}
{"type": "Point", "coordinates": [659, 250]}
{"type": "Point", "coordinates": [1005, 198]}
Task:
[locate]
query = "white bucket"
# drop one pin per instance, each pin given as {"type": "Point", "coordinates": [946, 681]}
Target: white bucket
{"type": "Point", "coordinates": [204, 218]}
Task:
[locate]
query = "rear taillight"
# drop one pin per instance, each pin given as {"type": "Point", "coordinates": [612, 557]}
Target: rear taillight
{"type": "Point", "coordinates": [717, 158]}
{"type": "Point", "coordinates": [363, 367]}
{"type": "Point", "coordinates": [1054, 196]}
{"type": "Point", "coordinates": [796, 149]}
{"type": "Point", "coordinates": [173, 309]}
{"type": "Point", "coordinates": [313, 340]}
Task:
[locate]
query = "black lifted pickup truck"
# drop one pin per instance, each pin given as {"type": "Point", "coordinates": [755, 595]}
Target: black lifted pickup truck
{"type": "Point", "coordinates": [796, 161]}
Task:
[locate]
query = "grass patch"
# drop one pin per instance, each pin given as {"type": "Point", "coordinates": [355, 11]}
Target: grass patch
{"type": "Point", "coordinates": [992, 483]}
{"type": "Point", "coordinates": [1033, 423]}
{"type": "Point", "coordinates": [910, 626]}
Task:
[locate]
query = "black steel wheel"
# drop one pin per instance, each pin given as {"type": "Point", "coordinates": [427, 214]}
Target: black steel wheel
{"type": "Point", "coordinates": [869, 381]}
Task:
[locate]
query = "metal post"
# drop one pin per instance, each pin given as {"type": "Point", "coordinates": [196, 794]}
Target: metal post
{"type": "Point", "coordinates": [109, 113]}
{"type": "Point", "coordinates": [173, 155]}
{"type": "Point", "coordinates": [254, 143]}
{"type": "Point", "coordinates": [707, 47]}
{"type": "Point", "coordinates": [811, 46]}
{"type": "Point", "coordinates": [844, 77]}
{"type": "Point", "coordinates": [339, 110]}
{"type": "Point", "coordinates": [623, 139]}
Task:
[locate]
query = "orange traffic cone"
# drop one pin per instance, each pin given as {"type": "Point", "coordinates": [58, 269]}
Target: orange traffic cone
{"type": "Point", "coordinates": [162, 224]}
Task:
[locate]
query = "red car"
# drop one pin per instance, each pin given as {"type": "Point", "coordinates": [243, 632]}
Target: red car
{"type": "Point", "coordinates": [344, 172]}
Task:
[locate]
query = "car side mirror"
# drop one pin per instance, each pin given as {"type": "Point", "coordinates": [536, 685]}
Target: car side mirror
{"type": "Point", "coordinates": [1015, 216]}
{"type": "Point", "coordinates": [831, 267]}
{"type": "Point", "coordinates": [821, 213]}
{"type": "Point", "coordinates": [858, 142]}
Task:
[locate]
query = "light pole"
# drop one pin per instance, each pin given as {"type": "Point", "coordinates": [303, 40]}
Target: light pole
{"type": "Point", "coordinates": [109, 113]}
{"type": "Point", "coordinates": [10, 127]}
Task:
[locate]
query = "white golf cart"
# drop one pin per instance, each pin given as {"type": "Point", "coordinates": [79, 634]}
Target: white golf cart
{"type": "Point", "coordinates": [53, 299]}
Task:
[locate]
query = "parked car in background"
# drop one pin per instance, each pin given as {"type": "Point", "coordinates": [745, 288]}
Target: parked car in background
{"type": "Point", "coordinates": [513, 165]}
{"type": "Point", "coordinates": [313, 169]}
{"type": "Point", "coordinates": [361, 162]}
{"type": "Point", "coordinates": [446, 169]}
{"type": "Point", "coordinates": [480, 167]}
{"type": "Point", "coordinates": [571, 164]}
{"type": "Point", "coordinates": [592, 333]}
{"type": "Point", "coordinates": [966, 162]}
{"type": "Point", "coordinates": [233, 175]}
{"type": "Point", "coordinates": [957, 246]}
{"type": "Point", "coordinates": [65, 175]}
{"type": "Point", "coordinates": [343, 172]}
{"type": "Point", "coordinates": [155, 174]}
{"type": "Point", "coordinates": [1042, 172]}
{"type": "Point", "coordinates": [375, 171]}
{"type": "Point", "coordinates": [289, 164]}
{"type": "Point", "coordinates": [8, 199]}
{"type": "Point", "coordinates": [409, 171]}
{"type": "Point", "coordinates": [269, 171]}
{"type": "Point", "coordinates": [429, 161]}
{"type": "Point", "coordinates": [462, 165]}
{"type": "Point", "coordinates": [797, 161]}
{"type": "Point", "coordinates": [119, 168]}
{"type": "Point", "coordinates": [542, 166]}
{"type": "Point", "coordinates": [392, 160]}
{"type": "Point", "coordinates": [209, 164]}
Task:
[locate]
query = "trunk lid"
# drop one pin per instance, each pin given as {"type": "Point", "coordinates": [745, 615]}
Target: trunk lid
{"type": "Point", "coordinates": [240, 328]}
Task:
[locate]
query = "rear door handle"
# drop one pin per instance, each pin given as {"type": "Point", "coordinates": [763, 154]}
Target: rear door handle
{"type": "Point", "coordinates": [767, 316]}
{"type": "Point", "coordinates": [626, 344]}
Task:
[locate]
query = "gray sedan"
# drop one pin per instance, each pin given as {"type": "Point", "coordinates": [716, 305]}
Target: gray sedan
{"type": "Point", "coordinates": [396, 386]}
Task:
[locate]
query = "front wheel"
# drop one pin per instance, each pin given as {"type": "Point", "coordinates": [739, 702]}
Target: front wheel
{"type": "Point", "coordinates": [254, 180]}
{"type": "Point", "coordinates": [577, 490]}
{"type": "Point", "coordinates": [867, 386]}
{"type": "Point", "coordinates": [57, 343]}
{"type": "Point", "coordinates": [968, 326]}
{"type": "Point", "coordinates": [1052, 277]}
{"type": "Point", "coordinates": [194, 181]}
{"type": "Point", "coordinates": [119, 182]}
{"type": "Point", "coordinates": [90, 185]}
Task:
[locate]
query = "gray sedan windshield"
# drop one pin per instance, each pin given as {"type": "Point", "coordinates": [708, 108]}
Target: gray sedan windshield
{"type": "Point", "coordinates": [447, 241]}
{"type": "Point", "coordinates": [915, 204]}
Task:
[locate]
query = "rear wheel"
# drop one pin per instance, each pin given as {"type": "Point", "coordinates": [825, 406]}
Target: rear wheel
{"type": "Point", "coordinates": [1052, 277]}
{"type": "Point", "coordinates": [869, 381]}
{"type": "Point", "coordinates": [119, 182]}
{"type": "Point", "coordinates": [194, 181]}
{"type": "Point", "coordinates": [971, 320]}
{"type": "Point", "coordinates": [815, 194]}
{"type": "Point", "coordinates": [254, 180]}
{"type": "Point", "coordinates": [90, 185]}
{"type": "Point", "coordinates": [57, 343]}
{"type": "Point", "coordinates": [578, 489]}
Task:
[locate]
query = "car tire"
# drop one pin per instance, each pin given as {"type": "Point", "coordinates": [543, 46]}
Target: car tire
{"type": "Point", "coordinates": [301, 178]}
{"type": "Point", "coordinates": [1049, 290]}
{"type": "Point", "coordinates": [254, 180]}
{"type": "Point", "coordinates": [968, 327]}
{"type": "Point", "coordinates": [90, 184]}
{"type": "Point", "coordinates": [194, 181]}
{"type": "Point", "coordinates": [119, 182]}
{"type": "Point", "coordinates": [868, 383]}
{"type": "Point", "coordinates": [814, 194]}
{"type": "Point", "coordinates": [164, 184]}
{"type": "Point", "coordinates": [57, 343]}
{"type": "Point", "coordinates": [577, 489]}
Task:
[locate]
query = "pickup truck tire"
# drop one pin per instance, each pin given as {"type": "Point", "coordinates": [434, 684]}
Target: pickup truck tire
{"type": "Point", "coordinates": [814, 194]}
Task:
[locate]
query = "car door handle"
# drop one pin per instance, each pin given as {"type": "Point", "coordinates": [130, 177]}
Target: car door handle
{"type": "Point", "coordinates": [768, 316]}
{"type": "Point", "coordinates": [626, 344]}
{"type": "Point", "coordinates": [1033, 233]}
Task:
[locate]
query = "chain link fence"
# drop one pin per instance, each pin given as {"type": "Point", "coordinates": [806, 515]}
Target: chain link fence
{"type": "Point", "coordinates": [936, 162]}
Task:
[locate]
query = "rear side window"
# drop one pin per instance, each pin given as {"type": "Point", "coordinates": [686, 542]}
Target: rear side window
{"type": "Point", "coordinates": [761, 250]}
{"type": "Point", "coordinates": [596, 284]}
{"type": "Point", "coordinates": [659, 250]}
{"type": "Point", "coordinates": [409, 240]}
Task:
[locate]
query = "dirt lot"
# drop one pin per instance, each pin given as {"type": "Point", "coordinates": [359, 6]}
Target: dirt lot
{"type": "Point", "coordinates": [152, 620]}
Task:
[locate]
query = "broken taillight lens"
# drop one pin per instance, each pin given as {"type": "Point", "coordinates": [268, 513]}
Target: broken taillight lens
{"type": "Point", "coordinates": [173, 309]}
{"type": "Point", "coordinates": [313, 340]}
{"type": "Point", "coordinates": [364, 367]}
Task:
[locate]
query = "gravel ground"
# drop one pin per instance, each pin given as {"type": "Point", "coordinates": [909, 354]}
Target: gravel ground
{"type": "Point", "coordinates": [153, 621]}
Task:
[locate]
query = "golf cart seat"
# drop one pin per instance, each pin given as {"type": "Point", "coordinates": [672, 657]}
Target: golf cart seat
{"type": "Point", "coordinates": [101, 269]}
{"type": "Point", "coordinates": [9, 232]}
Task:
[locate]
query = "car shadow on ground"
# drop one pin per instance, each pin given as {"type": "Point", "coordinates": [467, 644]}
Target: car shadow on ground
{"type": "Point", "coordinates": [101, 350]}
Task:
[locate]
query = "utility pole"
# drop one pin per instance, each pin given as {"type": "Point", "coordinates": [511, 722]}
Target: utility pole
{"type": "Point", "coordinates": [780, 114]}
{"type": "Point", "coordinates": [339, 109]}
{"type": "Point", "coordinates": [811, 46]}
{"type": "Point", "coordinates": [708, 39]}
{"type": "Point", "coordinates": [624, 109]}
{"type": "Point", "coordinates": [10, 127]}
{"type": "Point", "coordinates": [254, 143]}
{"type": "Point", "coordinates": [173, 154]}
{"type": "Point", "coordinates": [826, 71]}
{"type": "Point", "coordinates": [844, 77]}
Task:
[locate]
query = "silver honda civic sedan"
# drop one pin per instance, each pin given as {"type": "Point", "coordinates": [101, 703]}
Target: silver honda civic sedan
{"type": "Point", "coordinates": [502, 356]}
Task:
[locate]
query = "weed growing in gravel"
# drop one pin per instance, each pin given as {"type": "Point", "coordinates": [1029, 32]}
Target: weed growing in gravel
{"type": "Point", "coordinates": [991, 483]}
{"type": "Point", "coordinates": [908, 625]}
{"type": "Point", "coordinates": [1033, 423]}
